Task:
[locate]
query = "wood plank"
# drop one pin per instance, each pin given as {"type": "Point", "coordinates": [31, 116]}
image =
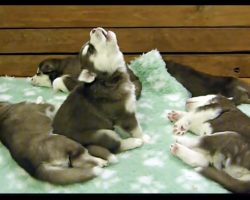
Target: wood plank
{"type": "Point", "coordinates": [123, 16]}
{"type": "Point", "coordinates": [247, 80]}
{"type": "Point", "coordinates": [26, 65]}
{"type": "Point", "coordinates": [135, 40]}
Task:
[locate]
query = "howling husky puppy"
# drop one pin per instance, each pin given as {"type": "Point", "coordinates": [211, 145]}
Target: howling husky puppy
{"type": "Point", "coordinates": [199, 83]}
{"type": "Point", "coordinates": [222, 152]}
{"type": "Point", "coordinates": [25, 129]}
{"type": "Point", "coordinates": [91, 110]}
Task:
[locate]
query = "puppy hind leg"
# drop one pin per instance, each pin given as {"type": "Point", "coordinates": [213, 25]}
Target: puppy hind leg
{"type": "Point", "coordinates": [189, 156]}
{"type": "Point", "coordinates": [187, 141]}
{"type": "Point", "coordinates": [62, 176]}
{"type": "Point", "coordinates": [102, 152]}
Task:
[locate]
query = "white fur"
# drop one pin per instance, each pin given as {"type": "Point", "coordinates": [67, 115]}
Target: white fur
{"type": "Point", "coordinates": [130, 143]}
{"type": "Point", "coordinates": [58, 84]}
{"type": "Point", "coordinates": [41, 80]}
{"type": "Point", "coordinates": [110, 58]}
{"type": "Point", "coordinates": [238, 172]}
{"type": "Point", "coordinates": [189, 156]}
{"type": "Point", "coordinates": [85, 50]}
{"type": "Point", "coordinates": [194, 120]}
{"type": "Point", "coordinates": [112, 159]}
{"type": "Point", "coordinates": [195, 102]}
{"type": "Point", "coordinates": [187, 141]}
{"type": "Point", "coordinates": [39, 100]}
{"type": "Point", "coordinates": [130, 103]}
{"type": "Point", "coordinates": [85, 76]}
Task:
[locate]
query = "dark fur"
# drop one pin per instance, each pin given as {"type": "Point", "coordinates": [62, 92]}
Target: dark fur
{"type": "Point", "coordinates": [25, 131]}
{"type": "Point", "coordinates": [199, 83]}
{"type": "Point", "coordinates": [96, 106]}
{"type": "Point", "coordinates": [231, 119]}
{"type": "Point", "coordinates": [71, 66]}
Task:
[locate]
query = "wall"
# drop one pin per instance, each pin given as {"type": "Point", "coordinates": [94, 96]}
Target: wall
{"type": "Point", "coordinates": [214, 39]}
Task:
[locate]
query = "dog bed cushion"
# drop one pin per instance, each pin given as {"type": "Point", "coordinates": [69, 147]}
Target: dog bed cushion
{"type": "Point", "coordinates": [149, 169]}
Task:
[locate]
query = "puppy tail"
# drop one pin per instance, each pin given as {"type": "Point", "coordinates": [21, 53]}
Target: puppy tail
{"type": "Point", "coordinates": [227, 181]}
{"type": "Point", "coordinates": [63, 175]}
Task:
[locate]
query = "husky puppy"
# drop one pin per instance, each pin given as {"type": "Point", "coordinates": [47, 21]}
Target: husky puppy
{"type": "Point", "coordinates": [25, 129]}
{"type": "Point", "coordinates": [222, 150]}
{"type": "Point", "coordinates": [91, 110]}
{"type": "Point", "coordinates": [65, 73]}
{"type": "Point", "coordinates": [199, 83]}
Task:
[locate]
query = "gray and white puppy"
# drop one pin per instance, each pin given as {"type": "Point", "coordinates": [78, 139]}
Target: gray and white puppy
{"type": "Point", "coordinates": [91, 110]}
{"type": "Point", "coordinates": [200, 83]}
{"type": "Point", "coordinates": [25, 129]}
{"type": "Point", "coordinates": [65, 73]}
{"type": "Point", "coordinates": [222, 152]}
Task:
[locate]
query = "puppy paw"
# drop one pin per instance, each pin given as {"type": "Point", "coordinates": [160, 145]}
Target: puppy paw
{"type": "Point", "coordinates": [180, 127]}
{"type": "Point", "coordinates": [174, 148]}
{"type": "Point", "coordinates": [101, 163]}
{"type": "Point", "coordinates": [173, 116]}
{"type": "Point", "coordinates": [112, 159]}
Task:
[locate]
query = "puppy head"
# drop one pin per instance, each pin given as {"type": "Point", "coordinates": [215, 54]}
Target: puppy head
{"type": "Point", "coordinates": [196, 102]}
{"type": "Point", "coordinates": [101, 54]}
{"type": "Point", "coordinates": [47, 72]}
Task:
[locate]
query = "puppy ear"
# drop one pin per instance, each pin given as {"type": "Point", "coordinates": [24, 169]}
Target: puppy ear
{"type": "Point", "coordinates": [46, 67]}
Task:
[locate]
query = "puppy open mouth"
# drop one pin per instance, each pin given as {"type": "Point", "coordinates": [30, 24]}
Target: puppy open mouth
{"type": "Point", "coordinates": [105, 34]}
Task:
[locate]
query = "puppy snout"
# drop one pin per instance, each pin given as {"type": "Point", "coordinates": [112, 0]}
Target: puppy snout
{"type": "Point", "coordinates": [93, 30]}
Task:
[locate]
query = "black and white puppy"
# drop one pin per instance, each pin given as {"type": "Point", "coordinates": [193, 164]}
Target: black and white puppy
{"type": "Point", "coordinates": [65, 73]}
{"type": "Point", "coordinates": [25, 129]}
{"type": "Point", "coordinates": [200, 83]}
{"type": "Point", "coordinates": [60, 73]}
{"type": "Point", "coordinates": [92, 110]}
{"type": "Point", "coordinates": [223, 149]}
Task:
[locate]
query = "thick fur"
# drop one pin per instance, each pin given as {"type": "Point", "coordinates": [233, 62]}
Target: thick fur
{"type": "Point", "coordinates": [67, 71]}
{"type": "Point", "coordinates": [91, 110]}
{"type": "Point", "coordinates": [199, 83]}
{"type": "Point", "coordinates": [25, 129]}
{"type": "Point", "coordinates": [223, 150]}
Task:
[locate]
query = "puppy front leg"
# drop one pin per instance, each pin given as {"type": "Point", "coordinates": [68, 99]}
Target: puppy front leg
{"type": "Point", "coordinates": [131, 125]}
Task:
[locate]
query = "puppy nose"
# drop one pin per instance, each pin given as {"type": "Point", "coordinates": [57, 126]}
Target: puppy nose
{"type": "Point", "coordinates": [93, 30]}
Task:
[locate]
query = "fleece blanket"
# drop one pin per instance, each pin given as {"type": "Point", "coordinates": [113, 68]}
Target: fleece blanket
{"type": "Point", "coordinates": [148, 169]}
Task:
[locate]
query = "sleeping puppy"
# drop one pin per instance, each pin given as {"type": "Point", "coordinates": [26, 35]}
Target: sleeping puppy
{"type": "Point", "coordinates": [25, 129]}
{"type": "Point", "coordinates": [222, 152]}
{"type": "Point", "coordinates": [199, 83]}
{"type": "Point", "coordinates": [65, 73]}
{"type": "Point", "coordinates": [91, 110]}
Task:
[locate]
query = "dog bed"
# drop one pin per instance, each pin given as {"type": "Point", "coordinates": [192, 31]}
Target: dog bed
{"type": "Point", "coordinates": [149, 169]}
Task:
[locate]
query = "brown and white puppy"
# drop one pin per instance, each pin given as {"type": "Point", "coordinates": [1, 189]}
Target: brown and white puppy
{"type": "Point", "coordinates": [222, 152]}
{"type": "Point", "coordinates": [91, 110]}
{"type": "Point", "coordinates": [25, 129]}
{"type": "Point", "coordinates": [65, 73]}
{"type": "Point", "coordinates": [199, 83]}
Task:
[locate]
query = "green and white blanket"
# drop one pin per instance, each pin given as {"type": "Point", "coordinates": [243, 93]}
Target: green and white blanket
{"type": "Point", "coordinates": [149, 169]}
